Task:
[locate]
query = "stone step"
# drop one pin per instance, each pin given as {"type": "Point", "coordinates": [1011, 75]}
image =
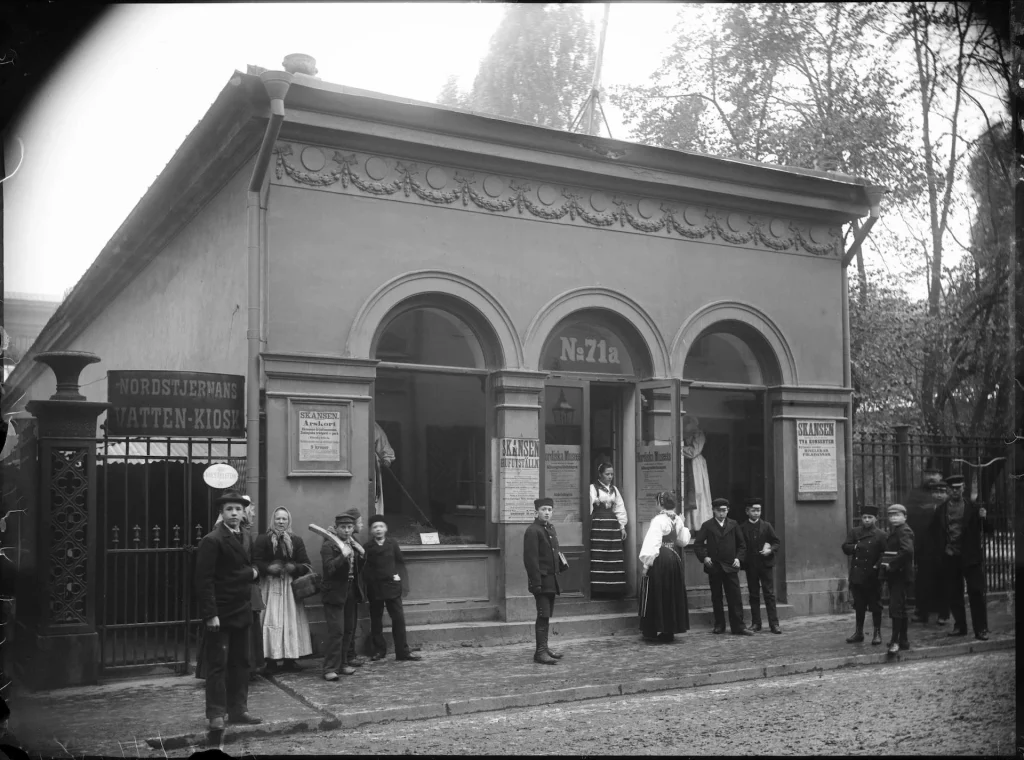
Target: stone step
{"type": "Point", "coordinates": [566, 626]}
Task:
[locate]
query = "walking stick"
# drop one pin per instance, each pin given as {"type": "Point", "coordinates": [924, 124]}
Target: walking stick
{"type": "Point", "coordinates": [408, 496]}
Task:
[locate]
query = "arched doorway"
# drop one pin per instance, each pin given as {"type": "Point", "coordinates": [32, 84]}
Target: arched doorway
{"type": "Point", "coordinates": [596, 360]}
{"type": "Point", "coordinates": [725, 425]}
{"type": "Point", "coordinates": [430, 405]}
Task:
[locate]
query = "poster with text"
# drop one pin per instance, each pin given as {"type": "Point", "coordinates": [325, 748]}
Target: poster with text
{"type": "Point", "coordinates": [319, 435]}
{"type": "Point", "coordinates": [816, 460]}
{"type": "Point", "coordinates": [653, 474]}
{"type": "Point", "coordinates": [563, 467]}
{"type": "Point", "coordinates": [519, 478]}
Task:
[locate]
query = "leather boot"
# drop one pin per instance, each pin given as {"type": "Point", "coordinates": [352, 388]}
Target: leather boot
{"type": "Point", "coordinates": [858, 635]}
{"type": "Point", "coordinates": [877, 637]}
{"type": "Point", "coordinates": [541, 655]}
{"type": "Point", "coordinates": [904, 641]}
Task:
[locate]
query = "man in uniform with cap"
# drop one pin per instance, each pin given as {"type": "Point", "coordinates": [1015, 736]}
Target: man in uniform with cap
{"type": "Point", "coordinates": [540, 556]}
{"type": "Point", "coordinates": [759, 563]}
{"type": "Point", "coordinates": [341, 595]}
{"type": "Point", "coordinates": [898, 570]}
{"type": "Point", "coordinates": [865, 544]}
{"type": "Point", "coordinates": [720, 544]}
{"type": "Point", "coordinates": [958, 529]}
{"type": "Point", "coordinates": [224, 577]}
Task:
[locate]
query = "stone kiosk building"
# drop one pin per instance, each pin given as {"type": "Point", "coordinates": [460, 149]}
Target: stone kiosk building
{"type": "Point", "coordinates": [512, 305]}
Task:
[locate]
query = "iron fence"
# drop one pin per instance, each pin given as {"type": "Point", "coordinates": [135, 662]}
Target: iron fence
{"type": "Point", "coordinates": [897, 467]}
{"type": "Point", "coordinates": [154, 508]}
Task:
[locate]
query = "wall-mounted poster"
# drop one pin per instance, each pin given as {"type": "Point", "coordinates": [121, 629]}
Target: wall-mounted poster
{"type": "Point", "coordinates": [319, 437]}
{"type": "Point", "coordinates": [816, 464]}
{"type": "Point", "coordinates": [653, 475]}
{"type": "Point", "coordinates": [563, 467]}
{"type": "Point", "coordinates": [519, 478]}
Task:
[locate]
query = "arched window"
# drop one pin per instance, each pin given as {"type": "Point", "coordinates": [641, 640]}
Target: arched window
{"type": "Point", "coordinates": [430, 405]}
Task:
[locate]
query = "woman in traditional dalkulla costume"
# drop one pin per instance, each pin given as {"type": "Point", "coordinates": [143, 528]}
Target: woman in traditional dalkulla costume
{"type": "Point", "coordinates": [663, 608]}
{"type": "Point", "coordinates": [280, 556]}
{"type": "Point", "coordinates": [697, 493]}
{"type": "Point", "coordinates": [607, 532]}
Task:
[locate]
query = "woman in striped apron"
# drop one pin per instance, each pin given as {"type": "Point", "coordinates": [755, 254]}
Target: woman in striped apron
{"type": "Point", "coordinates": [607, 533]}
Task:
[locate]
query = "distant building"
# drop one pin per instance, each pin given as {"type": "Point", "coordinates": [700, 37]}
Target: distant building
{"type": "Point", "coordinates": [25, 314]}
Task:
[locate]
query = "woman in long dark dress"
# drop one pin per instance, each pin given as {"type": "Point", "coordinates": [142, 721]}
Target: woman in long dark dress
{"type": "Point", "coordinates": [607, 532]}
{"type": "Point", "coordinates": [663, 608]}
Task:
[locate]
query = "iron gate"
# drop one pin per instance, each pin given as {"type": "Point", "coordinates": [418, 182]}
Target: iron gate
{"type": "Point", "coordinates": [153, 509]}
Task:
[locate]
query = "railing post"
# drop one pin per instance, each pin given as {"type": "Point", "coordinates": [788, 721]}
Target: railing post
{"type": "Point", "coordinates": [901, 469]}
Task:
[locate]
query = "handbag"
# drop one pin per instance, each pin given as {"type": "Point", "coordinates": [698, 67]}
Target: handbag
{"type": "Point", "coordinates": [307, 585]}
{"type": "Point", "coordinates": [563, 563]}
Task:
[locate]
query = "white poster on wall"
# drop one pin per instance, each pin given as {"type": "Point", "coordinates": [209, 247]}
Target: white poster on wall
{"type": "Point", "coordinates": [563, 467]}
{"type": "Point", "coordinates": [319, 435]}
{"type": "Point", "coordinates": [519, 478]}
{"type": "Point", "coordinates": [816, 460]}
{"type": "Point", "coordinates": [653, 475]}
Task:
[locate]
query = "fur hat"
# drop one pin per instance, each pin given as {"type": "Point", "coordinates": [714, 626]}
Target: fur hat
{"type": "Point", "coordinates": [869, 509]}
{"type": "Point", "coordinates": [545, 502]}
{"type": "Point", "coordinates": [378, 519]}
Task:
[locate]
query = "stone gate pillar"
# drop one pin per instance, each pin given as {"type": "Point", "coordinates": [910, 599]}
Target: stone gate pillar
{"type": "Point", "coordinates": [65, 648]}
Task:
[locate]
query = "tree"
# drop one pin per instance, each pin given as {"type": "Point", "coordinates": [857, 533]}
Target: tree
{"type": "Point", "coordinates": [538, 67]}
{"type": "Point", "coordinates": [450, 94]}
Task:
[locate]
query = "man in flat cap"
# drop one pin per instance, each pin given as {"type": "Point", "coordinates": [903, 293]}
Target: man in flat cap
{"type": "Point", "coordinates": [958, 529]}
{"type": "Point", "coordinates": [865, 544]}
{"type": "Point", "coordinates": [719, 545]}
{"type": "Point", "coordinates": [898, 571]}
{"type": "Point", "coordinates": [224, 577]}
{"type": "Point", "coordinates": [540, 556]}
{"type": "Point", "coordinates": [352, 659]}
{"type": "Point", "coordinates": [341, 595]}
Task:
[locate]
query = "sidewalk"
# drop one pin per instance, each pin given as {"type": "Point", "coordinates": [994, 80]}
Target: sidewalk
{"type": "Point", "coordinates": [137, 718]}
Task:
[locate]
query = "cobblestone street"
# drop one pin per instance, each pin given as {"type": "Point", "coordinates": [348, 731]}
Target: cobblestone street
{"type": "Point", "coordinates": [954, 706]}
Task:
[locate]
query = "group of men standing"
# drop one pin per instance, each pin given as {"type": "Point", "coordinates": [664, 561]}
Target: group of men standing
{"type": "Point", "coordinates": [951, 553]}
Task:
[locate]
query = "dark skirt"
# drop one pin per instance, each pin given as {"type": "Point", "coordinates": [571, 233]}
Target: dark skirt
{"type": "Point", "coordinates": [607, 558]}
{"type": "Point", "coordinates": [663, 608]}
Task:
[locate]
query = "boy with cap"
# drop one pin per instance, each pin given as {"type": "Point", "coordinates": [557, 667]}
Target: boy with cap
{"type": "Point", "coordinates": [719, 545]}
{"type": "Point", "coordinates": [385, 579]}
{"type": "Point", "coordinates": [759, 563]}
{"type": "Point", "coordinates": [898, 568]}
{"type": "Point", "coordinates": [341, 594]}
{"type": "Point", "coordinates": [540, 556]}
{"type": "Point", "coordinates": [224, 577]}
{"type": "Point", "coordinates": [866, 544]}
{"type": "Point", "coordinates": [351, 658]}
{"type": "Point", "coordinates": [957, 530]}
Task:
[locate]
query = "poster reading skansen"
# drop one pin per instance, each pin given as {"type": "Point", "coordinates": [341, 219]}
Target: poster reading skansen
{"type": "Point", "coordinates": [816, 459]}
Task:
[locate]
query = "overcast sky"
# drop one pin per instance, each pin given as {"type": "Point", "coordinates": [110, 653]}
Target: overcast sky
{"type": "Point", "coordinates": [109, 121]}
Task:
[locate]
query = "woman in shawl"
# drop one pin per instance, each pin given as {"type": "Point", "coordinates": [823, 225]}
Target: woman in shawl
{"type": "Point", "coordinates": [607, 532]}
{"type": "Point", "coordinates": [280, 556]}
{"type": "Point", "coordinates": [697, 496]}
{"type": "Point", "coordinates": [663, 608]}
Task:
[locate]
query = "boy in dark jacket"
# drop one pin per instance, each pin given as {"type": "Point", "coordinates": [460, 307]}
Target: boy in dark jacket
{"type": "Point", "coordinates": [865, 544]}
{"type": "Point", "coordinates": [898, 567]}
{"type": "Point", "coordinates": [224, 578]}
{"type": "Point", "coordinates": [385, 577]}
{"type": "Point", "coordinates": [540, 556]}
{"type": "Point", "coordinates": [341, 595]}
{"type": "Point", "coordinates": [759, 563]}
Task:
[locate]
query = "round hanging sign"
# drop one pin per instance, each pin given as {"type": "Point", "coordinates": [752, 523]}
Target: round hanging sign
{"type": "Point", "coordinates": [220, 476]}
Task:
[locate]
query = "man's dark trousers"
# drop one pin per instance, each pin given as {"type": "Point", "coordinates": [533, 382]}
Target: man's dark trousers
{"type": "Point", "coordinates": [397, 614]}
{"type": "Point", "coordinates": [954, 573]}
{"type": "Point", "coordinates": [227, 671]}
{"type": "Point", "coordinates": [734, 597]}
{"type": "Point", "coordinates": [762, 580]}
{"type": "Point", "coordinates": [341, 628]}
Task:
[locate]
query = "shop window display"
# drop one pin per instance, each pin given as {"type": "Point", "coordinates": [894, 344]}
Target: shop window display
{"type": "Point", "coordinates": [434, 422]}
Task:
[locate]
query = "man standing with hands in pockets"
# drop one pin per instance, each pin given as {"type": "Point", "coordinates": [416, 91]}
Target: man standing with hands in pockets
{"type": "Point", "coordinates": [719, 544]}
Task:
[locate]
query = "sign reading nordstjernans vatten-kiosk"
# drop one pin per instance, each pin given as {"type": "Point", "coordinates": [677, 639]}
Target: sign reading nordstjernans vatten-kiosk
{"type": "Point", "coordinates": [816, 463]}
{"type": "Point", "coordinates": [169, 403]}
{"type": "Point", "coordinates": [519, 466]}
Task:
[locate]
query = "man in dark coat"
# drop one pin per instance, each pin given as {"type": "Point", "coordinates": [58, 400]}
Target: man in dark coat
{"type": "Point", "coordinates": [866, 544]}
{"type": "Point", "coordinates": [352, 659]}
{"type": "Point", "coordinates": [720, 544]}
{"type": "Point", "coordinates": [341, 594]}
{"type": "Point", "coordinates": [898, 568]}
{"type": "Point", "coordinates": [224, 578]}
{"type": "Point", "coordinates": [921, 503]}
{"type": "Point", "coordinates": [540, 556]}
{"type": "Point", "coordinates": [385, 578]}
{"type": "Point", "coordinates": [958, 529]}
{"type": "Point", "coordinates": [759, 563]}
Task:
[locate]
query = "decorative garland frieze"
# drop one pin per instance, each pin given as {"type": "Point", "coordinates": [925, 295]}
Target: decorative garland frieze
{"type": "Point", "coordinates": [384, 177]}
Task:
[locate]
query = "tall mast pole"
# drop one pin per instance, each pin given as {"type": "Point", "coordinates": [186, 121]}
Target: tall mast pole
{"type": "Point", "coordinates": [595, 91]}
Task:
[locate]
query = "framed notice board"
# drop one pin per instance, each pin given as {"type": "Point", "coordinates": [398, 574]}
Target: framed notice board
{"type": "Point", "coordinates": [319, 437]}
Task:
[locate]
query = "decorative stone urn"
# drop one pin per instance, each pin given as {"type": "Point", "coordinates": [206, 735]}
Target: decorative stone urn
{"type": "Point", "coordinates": [300, 63]}
{"type": "Point", "coordinates": [66, 413]}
